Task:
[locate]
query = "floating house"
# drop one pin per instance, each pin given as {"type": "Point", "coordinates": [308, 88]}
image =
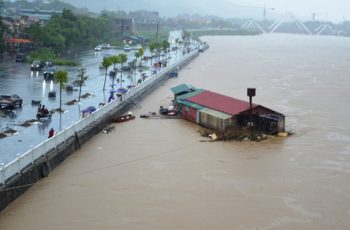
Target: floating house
{"type": "Point", "coordinates": [223, 113]}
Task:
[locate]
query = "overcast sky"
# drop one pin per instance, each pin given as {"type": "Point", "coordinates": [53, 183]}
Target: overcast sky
{"type": "Point", "coordinates": [333, 10]}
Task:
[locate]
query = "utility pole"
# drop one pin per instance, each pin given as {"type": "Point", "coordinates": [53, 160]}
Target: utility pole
{"type": "Point", "coordinates": [157, 33]}
{"type": "Point", "coordinates": [157, 39]}
{"type": "Point", "coordinates": [250, 94]}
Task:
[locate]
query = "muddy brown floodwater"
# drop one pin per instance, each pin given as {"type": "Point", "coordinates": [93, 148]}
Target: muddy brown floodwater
{"type": "Point", "coordinates": [157, 174]}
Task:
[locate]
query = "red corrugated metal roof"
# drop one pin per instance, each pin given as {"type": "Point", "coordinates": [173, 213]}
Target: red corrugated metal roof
{"type": "Point", "coordinates": [220, 102]}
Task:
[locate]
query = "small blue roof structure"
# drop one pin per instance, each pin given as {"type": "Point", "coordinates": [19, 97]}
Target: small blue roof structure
{"type": "Point", "coordinates": [182, 89]}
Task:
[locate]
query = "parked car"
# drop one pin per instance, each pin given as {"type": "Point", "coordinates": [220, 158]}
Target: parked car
{"type": "Point", "coordinates": [48, 63]}
{"type": "Point", "coordinates": [20, 57]}
{"type": "Point", "coordinates": [127, 48]}
{"type": "Point", "coordinates": [126, 68]}
{"type": "Point", "coordinates": [98, 48]}
{"type": "Point", "coordinates": [36, 66]}
{"type": "Point", "coordinates": [105, 46]}
{"type": "Point", "coordinates": [10, 101]}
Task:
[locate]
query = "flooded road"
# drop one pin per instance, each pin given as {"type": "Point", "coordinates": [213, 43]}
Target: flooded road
{"type": "Point", "coordinates": [157, 174]}
{"type": "Point", "coordinates": [16, 78]}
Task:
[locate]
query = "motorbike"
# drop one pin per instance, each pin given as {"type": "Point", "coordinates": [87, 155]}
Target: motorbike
{"type": "Point", "coordinates": [41, 115]}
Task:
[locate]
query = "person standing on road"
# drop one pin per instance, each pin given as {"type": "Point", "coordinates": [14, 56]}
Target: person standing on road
{"type": "Point", "coordinates": [51, 132]}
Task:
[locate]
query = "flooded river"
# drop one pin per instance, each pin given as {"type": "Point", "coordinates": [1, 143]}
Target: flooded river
{"type": "Point", "coordinates": [157, 174]}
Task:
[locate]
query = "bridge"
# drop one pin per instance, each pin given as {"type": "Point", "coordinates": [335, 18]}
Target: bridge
{"type": "Point", "coordinates": [291, 24]}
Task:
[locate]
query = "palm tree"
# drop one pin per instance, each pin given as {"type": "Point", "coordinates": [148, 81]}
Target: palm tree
{"type": "Point", "coordinates": [61, 77]}
{"type": "Point", "coordinates": [141, 52]}
{"type": "Point", "coordinates": [106, 63]}
{"type": "Point", "coordinates": [165, 46]}
{"type": "Point", "coordinates": [114, 60]}
{"type": "Point", "coordinates": [152, 47]}
{"type": "Point", "coordinates": [81, 79]}
{"type": "Point", "coordinates": [123, 58]}
{"type": "Point", "coordinates": [137, 55]}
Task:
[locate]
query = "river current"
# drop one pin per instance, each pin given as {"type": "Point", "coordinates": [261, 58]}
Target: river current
{"type": "Point", "coordinates": [157, 174]}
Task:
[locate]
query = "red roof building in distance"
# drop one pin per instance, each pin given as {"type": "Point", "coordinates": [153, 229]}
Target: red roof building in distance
{"type": "Point", "coordinates": [219, 102]}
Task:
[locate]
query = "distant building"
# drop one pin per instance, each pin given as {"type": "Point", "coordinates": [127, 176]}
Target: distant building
{"type": "Point", "coordinates": [18, 45]}
{"type": "Point", "coordinates": [39, 15]}
{"type": "Point", "coordinates": [144, 20]}
{"type": "Point", "coordinates": [223, 113]}
{"type": "Point", "coordinates": [144, 16]}
{"type": "Point", "coordinates": [122, 27]}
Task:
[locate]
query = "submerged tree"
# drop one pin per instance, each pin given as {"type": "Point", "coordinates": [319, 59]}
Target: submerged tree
{"type": "Point", "coordinates": [114, 60]}
{"type": "Point", "coordinates": [153, 47]}
{"type": "Point", "coordinates": [81, 79]}
{"type": "Point", "coordinates": [106, 63]}
{"type": "Point", "coordinates": [123, 58]}
{"type": "Point", "coordinates": [165, 46]}
{"type": "Point", "coordinates": [61, 77]}
{"type": "Point", "coordinates": [141, 52]}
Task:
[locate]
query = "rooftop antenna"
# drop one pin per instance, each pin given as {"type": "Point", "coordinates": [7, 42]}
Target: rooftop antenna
{"type": "Point", "coordinates": [250, 94]}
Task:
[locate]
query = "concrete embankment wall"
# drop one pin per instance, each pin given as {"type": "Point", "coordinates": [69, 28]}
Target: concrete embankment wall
{"type": "Point", "coordinates": [40, 168]}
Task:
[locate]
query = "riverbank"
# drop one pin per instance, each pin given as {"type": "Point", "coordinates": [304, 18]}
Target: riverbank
{"type": "Point", "coordinates": [156, 174]}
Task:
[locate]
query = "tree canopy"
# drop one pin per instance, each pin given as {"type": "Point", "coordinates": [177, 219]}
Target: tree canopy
{"type": "Point", "coordinates": [67, 31]}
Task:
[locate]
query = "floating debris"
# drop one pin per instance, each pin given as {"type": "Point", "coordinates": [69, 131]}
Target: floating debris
{"type": "Point", "coordinates": [108, 129]}
{"type": "Point", "coordinates": [8, 132]}
{"type": "Point", "coordinates": [72, 102]}
{"type": "Point", "coordinates": [85, 95]}
{"type": "Point", "coordinates": [25, 124]}
{"type": "Point", "coordinates": [28, 123]}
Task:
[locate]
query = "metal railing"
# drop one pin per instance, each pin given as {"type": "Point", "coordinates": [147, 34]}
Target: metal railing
{"type": "Point", "coordinates": [28, 158]}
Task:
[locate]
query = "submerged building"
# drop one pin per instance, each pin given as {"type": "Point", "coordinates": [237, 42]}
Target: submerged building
{"type": "Point", "coordinates": [225, 114]}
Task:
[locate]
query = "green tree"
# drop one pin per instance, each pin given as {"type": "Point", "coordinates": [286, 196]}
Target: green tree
{"type": "Point", "coordinates": [153, 47]}
{"type": "Point", "coordinates": [115, 59]}
{"type": "Point", "coordinates": [141, 52]}
{"type": "Point", "coordinates": [123, 58]}
{"type": "Point", "coordinates": [165, 46]}
{"type": "Point", "coordinates": [106, 63]}
{"type": "Point", "coordinates": [81, 79]}
{"type": "Point", "coordinates": [61, 77]}
{"type": "Point", "coordinates": [137, 54]}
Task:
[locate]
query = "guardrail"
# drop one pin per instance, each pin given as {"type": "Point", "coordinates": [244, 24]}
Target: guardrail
{"type": "Point", "coordinates": [29, 157]}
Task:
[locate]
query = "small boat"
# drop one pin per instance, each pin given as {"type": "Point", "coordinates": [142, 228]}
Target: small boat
{"type": "Point", "coordinates": [149, 114]}
{"type": "Point", "coordinates": [123, 118]}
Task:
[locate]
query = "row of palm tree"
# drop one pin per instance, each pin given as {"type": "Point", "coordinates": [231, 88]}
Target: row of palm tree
{"type": "Point", "coordinates": [157, 47]}
{"type": "Point", "coordinates": [61, 76]}
{"type": "Point", "coordinates": [116, 59]}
